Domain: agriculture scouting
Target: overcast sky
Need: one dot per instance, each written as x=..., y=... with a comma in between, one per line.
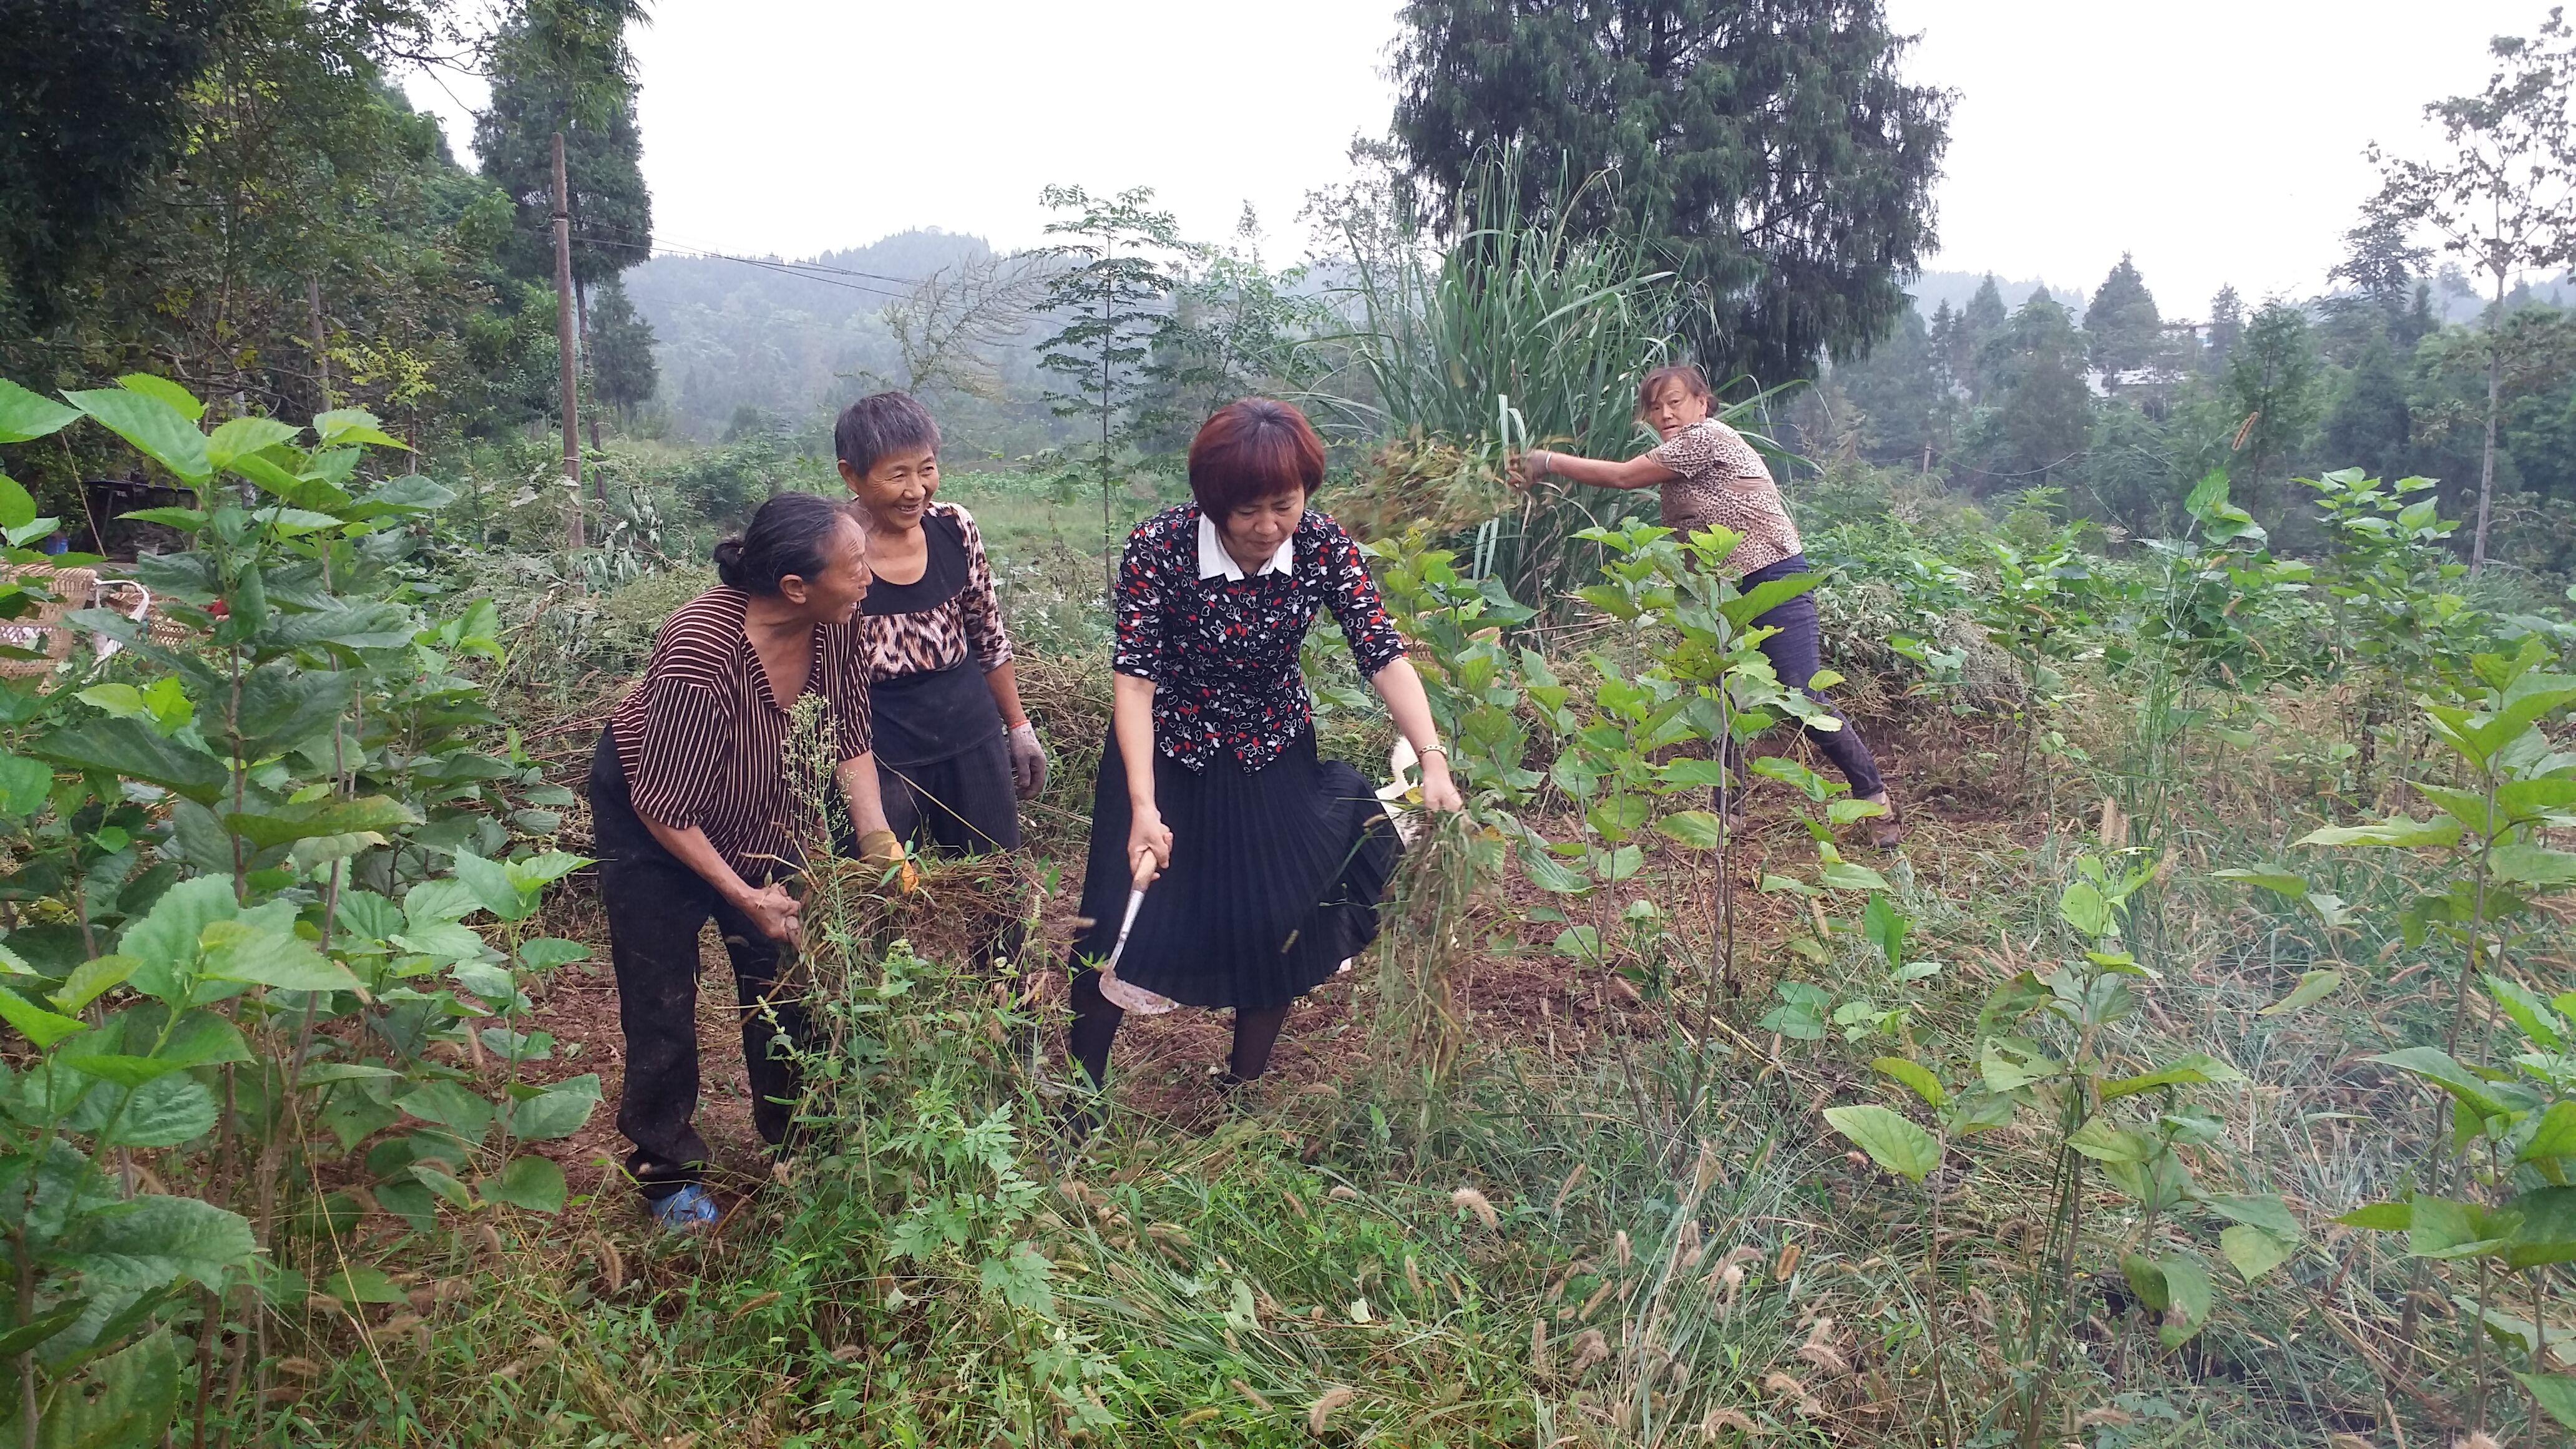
x=2218, y=140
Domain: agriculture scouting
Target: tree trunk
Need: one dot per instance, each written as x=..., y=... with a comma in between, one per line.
x=2486, y=461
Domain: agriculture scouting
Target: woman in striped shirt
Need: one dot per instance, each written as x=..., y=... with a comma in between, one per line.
x=696, y=818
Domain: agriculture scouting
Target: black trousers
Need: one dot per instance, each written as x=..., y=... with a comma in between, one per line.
x=656, y=906
x=1796, y=654
x=963, y=805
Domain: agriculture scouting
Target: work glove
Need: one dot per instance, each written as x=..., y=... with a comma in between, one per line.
x=1028, y=760
x=881, y=851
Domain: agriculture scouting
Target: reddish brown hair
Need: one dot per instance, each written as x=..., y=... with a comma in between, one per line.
x=1693, y=382
x=1253, y=448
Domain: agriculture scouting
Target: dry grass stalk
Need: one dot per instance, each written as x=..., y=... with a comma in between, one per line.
x=1720, y=1420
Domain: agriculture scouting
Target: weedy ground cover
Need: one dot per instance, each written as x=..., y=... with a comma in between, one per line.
x=2176, y=1085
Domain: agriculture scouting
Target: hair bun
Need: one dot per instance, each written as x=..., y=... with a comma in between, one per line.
x=728, y=558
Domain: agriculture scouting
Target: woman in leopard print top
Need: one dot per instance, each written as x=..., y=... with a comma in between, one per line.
x=1711, y=478
x=955, y=751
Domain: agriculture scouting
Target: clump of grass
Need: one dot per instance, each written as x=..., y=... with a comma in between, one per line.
x=1427, y=481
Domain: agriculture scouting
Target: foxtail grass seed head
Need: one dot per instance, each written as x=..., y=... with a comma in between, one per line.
x=1571, y=1180
x=1538, y=1347
x=2478, y=1439
x=1721, y=1420
x=302, y=1368
x=1589, y=1348
x=1620, y=1252
x=1413, y=1277
x=1251, y=1395
x=1344, y=1192
x=1474, y=1202
x=1705, y=1171
x=1788, y=1263
x=1320, y=1412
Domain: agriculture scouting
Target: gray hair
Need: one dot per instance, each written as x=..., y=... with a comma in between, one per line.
x=885, y=423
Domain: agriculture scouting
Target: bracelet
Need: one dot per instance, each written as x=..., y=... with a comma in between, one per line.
x=1433, y=748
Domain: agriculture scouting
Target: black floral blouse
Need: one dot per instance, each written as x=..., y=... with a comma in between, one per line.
x=1222, y=652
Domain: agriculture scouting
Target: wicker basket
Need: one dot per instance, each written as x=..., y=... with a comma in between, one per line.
x=44, y=629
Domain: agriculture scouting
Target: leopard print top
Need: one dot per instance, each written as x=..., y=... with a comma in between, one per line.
x=1724, y=484
x=948, y=613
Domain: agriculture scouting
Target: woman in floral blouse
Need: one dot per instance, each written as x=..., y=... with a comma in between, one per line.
x=1711, y=478
x=1266, y=861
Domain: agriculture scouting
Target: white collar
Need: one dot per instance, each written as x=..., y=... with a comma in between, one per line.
x=1216, y=563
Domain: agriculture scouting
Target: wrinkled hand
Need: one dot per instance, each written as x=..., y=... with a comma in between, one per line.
x=1439, y=792
x=1149, y=846
x=1028, y=760
x=1529, y=468
x=774, y=913
x=881, y=851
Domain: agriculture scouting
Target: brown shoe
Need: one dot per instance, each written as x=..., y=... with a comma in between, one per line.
x=1888, y=831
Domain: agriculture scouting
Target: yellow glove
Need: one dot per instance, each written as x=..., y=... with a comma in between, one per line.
x=881, y=849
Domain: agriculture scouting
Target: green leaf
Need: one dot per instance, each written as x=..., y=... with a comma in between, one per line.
x=1697, y=829
x=2252, y=1251
x=2207, y=496
x=1842, y=875
x=1918, y=1078
x=493, y=889
x=90, y=980
x=163, y=1112
x=236, y=951
x=135, y=750
x=2106, y=1141
x=450, y=1105
x=2555, y=1136
x=442, y=941
x=2556, y=1395
x=17, y=505
x=125, y=1400
x=181, y=401
x=363, y=1283
x=2183, y=1071
x=2436, y=1066
x=2397, y=830
x=166, y=941
x=2314, y=986
x=321, y=817
x=530, y=1182
x=2381, y=1217
x=2260, y=1210
x=2187, y=1282
x=558, y=1111
x=155, y=428
x=2278, y=879
x=545, y=953
x=2084, y=907
x=2443, y=1228
x=150, y=1240
x=2545, y=1231
x=247, y=435
x=36, y=1024
x=1892, y=1141
x=2532, y=865
x=26, y=416
x=1885, y=926
x=1583, y=943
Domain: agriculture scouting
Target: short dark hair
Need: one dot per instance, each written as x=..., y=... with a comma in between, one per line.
x=883, y=423
x=1252, y=448
x=1694, y=384
x=791, y=534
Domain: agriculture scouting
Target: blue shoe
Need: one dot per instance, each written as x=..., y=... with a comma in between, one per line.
x=691, y=1209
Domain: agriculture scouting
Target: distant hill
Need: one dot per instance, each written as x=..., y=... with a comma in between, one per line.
x=1932, y=289
x=797, y=345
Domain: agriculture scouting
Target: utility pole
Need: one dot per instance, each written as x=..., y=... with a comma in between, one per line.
x=565, y=346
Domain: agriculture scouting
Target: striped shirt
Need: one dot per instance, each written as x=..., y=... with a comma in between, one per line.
x=702, y=741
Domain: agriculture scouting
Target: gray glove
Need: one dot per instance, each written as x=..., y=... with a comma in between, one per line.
x=1028, y=760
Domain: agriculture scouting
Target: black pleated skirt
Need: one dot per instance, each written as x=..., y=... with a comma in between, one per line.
x=1275, y=878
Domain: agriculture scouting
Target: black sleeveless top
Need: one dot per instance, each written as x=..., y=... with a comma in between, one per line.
x=927, y=697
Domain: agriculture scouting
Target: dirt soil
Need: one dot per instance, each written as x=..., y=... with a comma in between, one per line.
x=1960, y=799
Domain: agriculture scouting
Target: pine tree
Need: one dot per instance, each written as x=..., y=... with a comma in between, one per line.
x=2272, y=385
x=2226, y=328
x=621, y=351
x=2370, y=425
x=2047, y=410
x=2126, y=333
x=1899, y=393
x=1978, y=323
x=562, y=65
x=1772, y=154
